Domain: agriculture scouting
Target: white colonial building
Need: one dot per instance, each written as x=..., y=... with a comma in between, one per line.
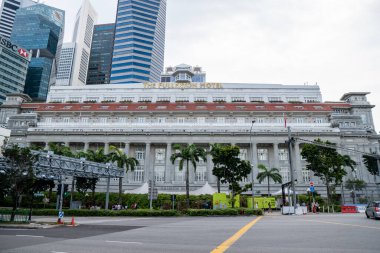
x=146, y=120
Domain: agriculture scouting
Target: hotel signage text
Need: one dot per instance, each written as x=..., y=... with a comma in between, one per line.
x=183, y=86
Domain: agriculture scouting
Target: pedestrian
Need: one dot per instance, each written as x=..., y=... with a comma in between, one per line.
x=269, y=208
x=317, y=207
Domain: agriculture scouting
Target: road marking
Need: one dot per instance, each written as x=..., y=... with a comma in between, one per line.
x=228, y=243
x=34, y=236
x=58, y=252
x=344, y=224
x=140, y=243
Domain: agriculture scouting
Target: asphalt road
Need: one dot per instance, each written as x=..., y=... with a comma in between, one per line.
x=307, y=234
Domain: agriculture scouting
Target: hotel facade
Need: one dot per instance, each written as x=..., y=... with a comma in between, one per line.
x=146, y=120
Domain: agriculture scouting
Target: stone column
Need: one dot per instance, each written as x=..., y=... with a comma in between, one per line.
x=254, y=160
x=148, y=171
x=276, y=159
x=106, y=148
x=210, y=177
x=86, y=146
x=169, y=168
x=126, y=149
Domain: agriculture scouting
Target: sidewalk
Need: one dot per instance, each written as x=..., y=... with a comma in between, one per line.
x=29, y=226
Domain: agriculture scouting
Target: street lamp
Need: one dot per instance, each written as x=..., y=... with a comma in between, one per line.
x=252, y=176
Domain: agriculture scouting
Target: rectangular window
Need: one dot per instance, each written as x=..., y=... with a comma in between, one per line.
x=283, y=154
x=305, y=175
x=141, y=120
x=179, y=174
x=241, y=120
x=220, y=120
x=260, y=120
x=159, y=173
x=161, y=120
x=256, y=99
x=319, y=120
x=160, y=155
x=275, y=99
x=138, y=174
x=285, y=173
x=262, y=154
x=201, y=120
x=299, y=120
x=243, y=154
x=200, y=174
x=181, y=120
x=140, y=154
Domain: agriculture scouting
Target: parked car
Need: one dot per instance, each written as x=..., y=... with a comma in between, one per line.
x=373, y=210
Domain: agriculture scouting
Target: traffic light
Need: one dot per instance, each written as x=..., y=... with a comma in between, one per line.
x=65, y=190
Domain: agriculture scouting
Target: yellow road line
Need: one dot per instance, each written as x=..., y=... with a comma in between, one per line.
x=228, y=243
x=343, y=224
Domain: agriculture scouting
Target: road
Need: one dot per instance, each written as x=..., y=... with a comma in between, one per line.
x=275, y=233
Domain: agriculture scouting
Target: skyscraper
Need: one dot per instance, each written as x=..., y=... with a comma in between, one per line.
x=82, y=38
x=138, y=54
x=40, y=28
x=99, y=68
x=14, y=63
x=8, y=10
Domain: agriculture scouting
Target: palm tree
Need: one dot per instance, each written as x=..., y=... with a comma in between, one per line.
x=123, y=162
x=189, y=154
x=268, y=174
x=97, y=156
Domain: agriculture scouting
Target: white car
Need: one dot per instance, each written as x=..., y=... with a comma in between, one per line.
x=373, y=210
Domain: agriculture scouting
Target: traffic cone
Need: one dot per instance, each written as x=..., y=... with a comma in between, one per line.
x=72, y=221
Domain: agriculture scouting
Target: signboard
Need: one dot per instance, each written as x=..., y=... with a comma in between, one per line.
x=183, y=86
x=223, y=201
x=61, y=215
x=14, y=48
x=262, y=202
x=312, y=189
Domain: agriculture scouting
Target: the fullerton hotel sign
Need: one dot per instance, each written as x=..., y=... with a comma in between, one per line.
x=183, y=86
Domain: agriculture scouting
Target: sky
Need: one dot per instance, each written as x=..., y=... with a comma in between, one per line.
x=333, y=43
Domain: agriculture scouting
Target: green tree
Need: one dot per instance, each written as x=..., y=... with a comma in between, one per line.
x=372, y=165
x=188, y=154
x=60, y=149
x=355, y=185
x=326, y=163
x=84, y=184
x=268, y=174
x=232, y=170
x=124, y=162
x=18, y=174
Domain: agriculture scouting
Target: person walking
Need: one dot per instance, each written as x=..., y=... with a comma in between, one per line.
x=269, y=208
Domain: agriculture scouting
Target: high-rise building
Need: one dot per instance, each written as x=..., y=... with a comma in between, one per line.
x=99, y=68
x=8, y=10
x=183, y=74
x=14, y=62
x=138, y=54
x=65, y=64
x=40, y=28
x=82, y=40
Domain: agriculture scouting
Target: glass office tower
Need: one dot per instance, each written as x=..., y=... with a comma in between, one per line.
x=99, y=68
x=40, y=28
x=138, y=54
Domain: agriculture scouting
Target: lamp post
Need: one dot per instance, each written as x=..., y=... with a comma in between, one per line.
x=252, y=176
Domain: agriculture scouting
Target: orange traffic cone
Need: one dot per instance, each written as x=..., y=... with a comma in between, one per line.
x=72, y=221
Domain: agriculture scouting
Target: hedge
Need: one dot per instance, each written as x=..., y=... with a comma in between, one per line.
x=140, y=212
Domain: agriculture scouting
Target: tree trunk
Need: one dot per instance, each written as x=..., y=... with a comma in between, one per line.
x=328, y=193
x=31, y=207
x=120, y=189
x=268, y=188
x=187, y=186
x=218, y=185
x=14, y=209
